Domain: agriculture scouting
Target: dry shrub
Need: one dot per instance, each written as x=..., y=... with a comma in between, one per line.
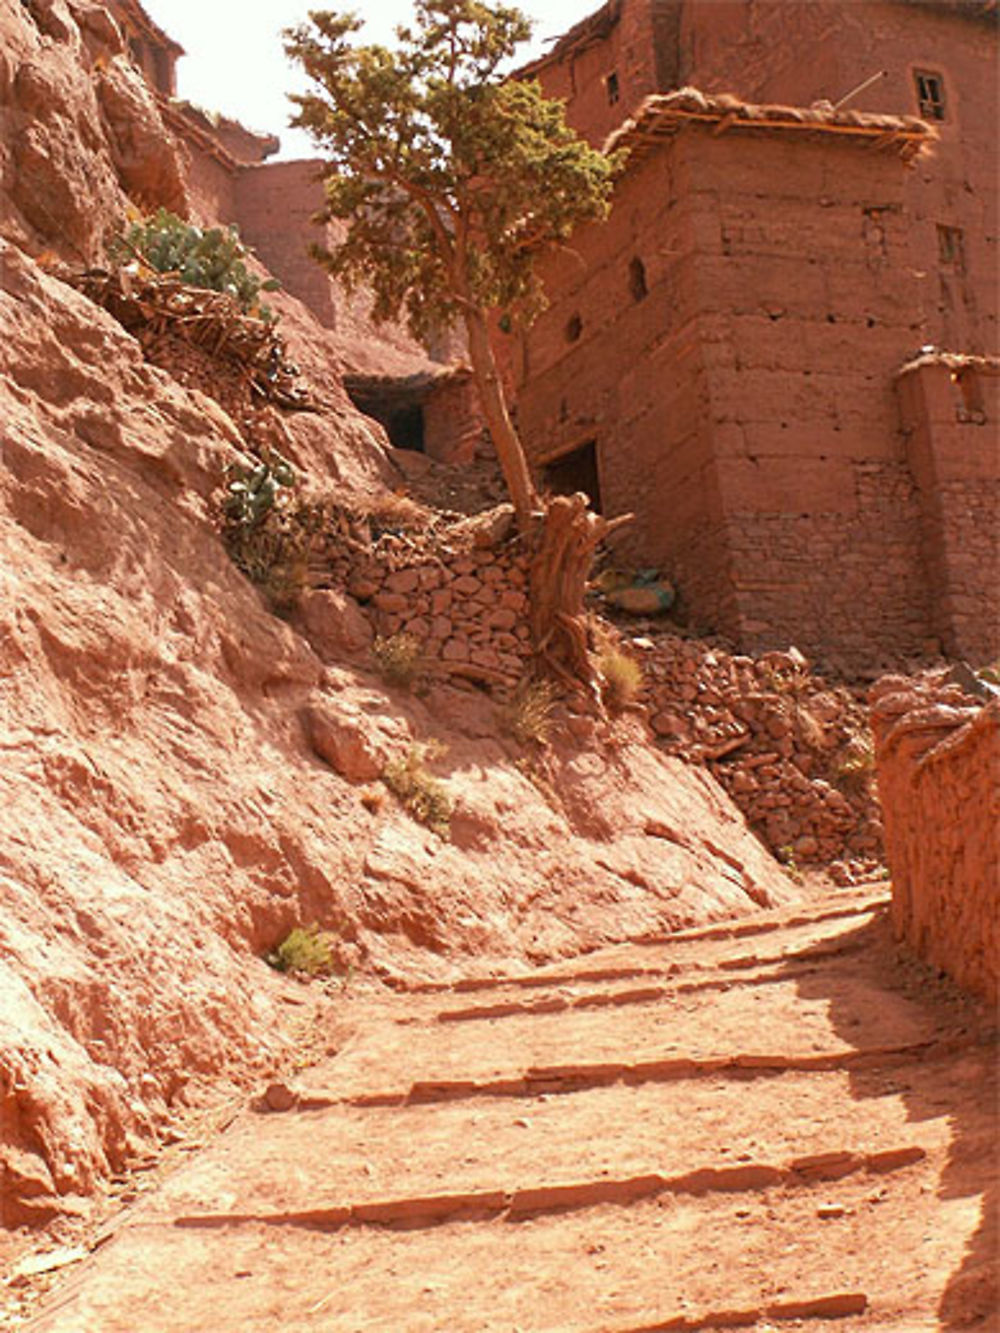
x=621, y=679
x=396, y=512
x=528, y=714
x=307, y=950
x=398, y=659
x=424, y=796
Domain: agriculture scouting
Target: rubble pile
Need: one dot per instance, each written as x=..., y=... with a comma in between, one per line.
x=792, y=749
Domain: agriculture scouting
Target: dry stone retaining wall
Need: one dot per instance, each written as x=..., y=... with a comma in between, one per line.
x=938, y=755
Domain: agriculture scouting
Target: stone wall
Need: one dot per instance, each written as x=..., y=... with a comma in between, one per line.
x=458, y=590
x=938, y=755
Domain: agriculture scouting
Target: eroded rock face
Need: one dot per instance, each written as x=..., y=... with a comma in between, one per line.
x=938, y=755
x=164, y=816
x=81, y=132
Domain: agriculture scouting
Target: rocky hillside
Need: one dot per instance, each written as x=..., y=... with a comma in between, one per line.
x=166, y=812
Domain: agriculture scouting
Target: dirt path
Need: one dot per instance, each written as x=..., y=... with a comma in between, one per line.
x=776, y=1125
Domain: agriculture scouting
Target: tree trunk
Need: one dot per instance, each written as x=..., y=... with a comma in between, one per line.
x=509, y=449
x=562, y=533
x=559, y=571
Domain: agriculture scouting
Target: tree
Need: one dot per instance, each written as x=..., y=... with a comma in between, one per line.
x=451, y=181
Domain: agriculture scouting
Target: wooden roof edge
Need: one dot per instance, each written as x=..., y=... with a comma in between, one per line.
x=593, y=28
x=188, y=129
x=954, y=361
x=690, y=105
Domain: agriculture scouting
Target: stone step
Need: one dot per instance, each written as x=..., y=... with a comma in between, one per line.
x=673, y=1260
x=346, y=1154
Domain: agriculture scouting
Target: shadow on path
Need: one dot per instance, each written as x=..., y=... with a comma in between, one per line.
x=875, y=991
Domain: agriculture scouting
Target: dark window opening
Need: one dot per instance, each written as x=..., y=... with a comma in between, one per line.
x=614, y=92
x=135, y=48
x=930, y=94
x=951, y=248
x=971, y=403
x=637, y=279
x=574, y=327
x=575, y=471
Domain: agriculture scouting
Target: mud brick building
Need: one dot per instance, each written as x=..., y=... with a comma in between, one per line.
x=779, y=352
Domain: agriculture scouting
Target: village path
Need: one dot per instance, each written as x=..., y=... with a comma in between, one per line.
x=778, y=1124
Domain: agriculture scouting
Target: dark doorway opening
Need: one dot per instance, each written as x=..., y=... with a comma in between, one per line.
x=575, y=471
x=401, y=413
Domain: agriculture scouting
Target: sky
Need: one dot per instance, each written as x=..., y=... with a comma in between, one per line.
x=235, y=62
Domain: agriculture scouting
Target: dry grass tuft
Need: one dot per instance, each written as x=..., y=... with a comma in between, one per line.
x=306, y=950
x=398, y=659
x=528, y=714
x=621, y=679
x=424, y=796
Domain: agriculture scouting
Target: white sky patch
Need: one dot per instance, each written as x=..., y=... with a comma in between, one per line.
x=235, y=61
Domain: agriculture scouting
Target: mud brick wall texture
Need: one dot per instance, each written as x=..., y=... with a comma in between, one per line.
x=741, y=398
x=938, y=758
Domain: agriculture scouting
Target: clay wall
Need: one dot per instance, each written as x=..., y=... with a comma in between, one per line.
x=275, y=203
x=634, y=379
x=211, y=187
x=798, y=52
x=601, y=79
x=801, y=51
x=950, y=414
x=938, y=756
x=453, y=423
x=808, y=308
x=743, y=407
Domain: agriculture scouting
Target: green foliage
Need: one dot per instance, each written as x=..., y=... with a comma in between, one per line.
x=306, y=949
x=265, y=536
x=213, y=258
x=528, y=714
x=398, y=658
x=422, y=795
x=621, y=679
x=255, y=489
x=451, y=180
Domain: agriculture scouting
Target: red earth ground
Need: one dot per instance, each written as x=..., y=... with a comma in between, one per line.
x=783, y=1123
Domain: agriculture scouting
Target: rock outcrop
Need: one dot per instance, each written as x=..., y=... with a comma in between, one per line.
x=938, y=754
x=165, y=817
x=81, y=131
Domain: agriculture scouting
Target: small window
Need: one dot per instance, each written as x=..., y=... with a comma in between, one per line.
x=951, y=248
x=970, y=405
x=574, y=327
x=614, y=92
x=637, y=279
x=930, y=94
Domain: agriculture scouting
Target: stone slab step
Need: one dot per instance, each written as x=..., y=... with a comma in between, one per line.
x=672, y=1261
x=349, y=1154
